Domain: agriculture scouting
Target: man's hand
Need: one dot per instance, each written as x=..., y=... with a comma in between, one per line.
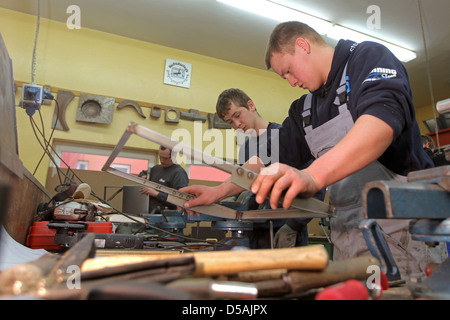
x=278, y=177
x=150, y=191
x=209, y=195
x=204, y=196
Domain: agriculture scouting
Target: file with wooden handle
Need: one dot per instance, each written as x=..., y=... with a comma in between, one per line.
x=295, y=282
x=210, y=263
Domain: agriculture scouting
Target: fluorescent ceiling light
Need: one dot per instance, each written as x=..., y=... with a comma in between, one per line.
x=339, y=32
x=279, y=13
x=282, y=13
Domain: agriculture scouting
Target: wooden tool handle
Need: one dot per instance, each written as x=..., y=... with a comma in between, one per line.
x=258, y=275
x=339, y=271
x=232, y=262
x=295, y=282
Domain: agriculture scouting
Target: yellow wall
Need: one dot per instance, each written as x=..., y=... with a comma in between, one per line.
x=89, y=61
x=422, y=114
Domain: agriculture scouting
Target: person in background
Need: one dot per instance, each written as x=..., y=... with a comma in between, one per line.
x=166, y=173
x=437, y=157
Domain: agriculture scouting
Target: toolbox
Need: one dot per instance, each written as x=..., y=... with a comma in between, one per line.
x=40, y=236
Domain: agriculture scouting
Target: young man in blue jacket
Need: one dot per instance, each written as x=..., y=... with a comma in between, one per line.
x=358, y=122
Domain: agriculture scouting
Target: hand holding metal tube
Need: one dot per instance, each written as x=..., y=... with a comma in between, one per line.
x=205, y=195
x=209, y=195
x=149, y=191
x=277, y=178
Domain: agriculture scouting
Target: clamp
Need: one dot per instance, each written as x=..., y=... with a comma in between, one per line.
x=378, y=247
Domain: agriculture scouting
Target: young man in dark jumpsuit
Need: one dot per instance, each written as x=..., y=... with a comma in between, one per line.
x=358, y=123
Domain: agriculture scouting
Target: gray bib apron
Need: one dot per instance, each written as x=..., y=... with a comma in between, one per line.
x=345, y=195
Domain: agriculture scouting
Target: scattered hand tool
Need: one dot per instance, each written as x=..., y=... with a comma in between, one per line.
x=133, y=290
x=207, y=288
x=37, y=277
x=349, y=290
x=49, y=276
x=142, y=280
x=296, y=282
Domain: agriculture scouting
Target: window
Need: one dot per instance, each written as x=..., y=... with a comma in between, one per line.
x=82, y=165
x=123, y=167
x=207, y=173
x=87, y=157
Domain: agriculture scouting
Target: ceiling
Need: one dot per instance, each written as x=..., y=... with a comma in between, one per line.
x=214, y=29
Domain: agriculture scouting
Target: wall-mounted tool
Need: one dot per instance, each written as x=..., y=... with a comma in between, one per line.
x=95, y=109
x=131, y=103
x=156, y=111
x=170, y=111
x=215, y=122
x=192, y=115
x=63, y=99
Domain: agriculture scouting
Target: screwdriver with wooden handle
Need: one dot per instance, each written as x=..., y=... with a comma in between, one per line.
x=295, y=282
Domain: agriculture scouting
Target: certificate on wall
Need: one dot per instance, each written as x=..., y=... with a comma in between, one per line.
x=177, y=73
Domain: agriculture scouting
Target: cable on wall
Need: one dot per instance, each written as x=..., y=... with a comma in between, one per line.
x=33, y=63
x=429, y=73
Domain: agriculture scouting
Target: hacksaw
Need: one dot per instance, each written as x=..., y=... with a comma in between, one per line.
x=300, y=208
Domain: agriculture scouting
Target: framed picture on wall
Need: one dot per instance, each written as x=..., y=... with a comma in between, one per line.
x=177, y=73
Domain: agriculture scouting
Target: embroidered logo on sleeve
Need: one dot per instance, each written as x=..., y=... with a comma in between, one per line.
x=381, y=73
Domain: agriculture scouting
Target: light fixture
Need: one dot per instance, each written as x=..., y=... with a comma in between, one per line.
x=339, y=32
x=282, y=13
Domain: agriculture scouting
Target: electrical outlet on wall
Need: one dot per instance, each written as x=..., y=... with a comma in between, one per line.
x=32, y=96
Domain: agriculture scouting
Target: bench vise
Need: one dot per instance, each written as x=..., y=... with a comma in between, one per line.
x=425, y=200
